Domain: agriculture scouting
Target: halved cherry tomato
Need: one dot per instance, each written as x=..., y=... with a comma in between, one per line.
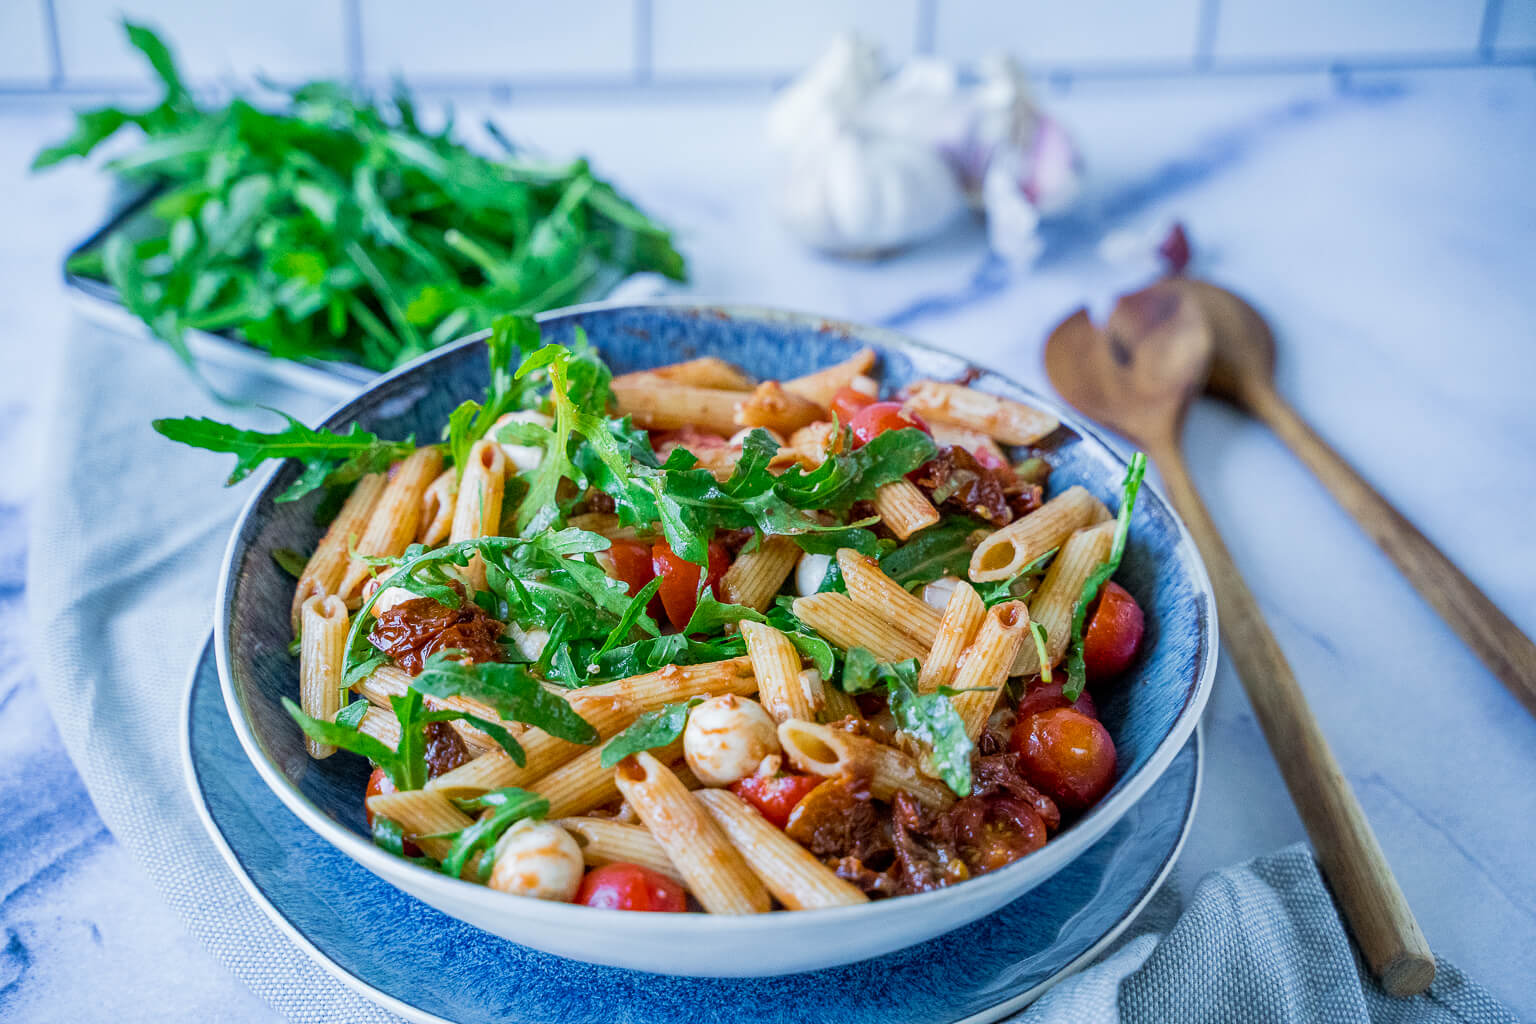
x=630, y=887
x=879, y=417
x=1066, y=755
x=632, y=563
x=379, y=784
x=1113, y=634
x=1044, y=696
x=775, y=795
x=680, y=579
x=847, y=403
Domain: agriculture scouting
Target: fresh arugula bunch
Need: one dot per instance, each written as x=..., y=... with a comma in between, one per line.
x=340, y=229
x=651, y=730
x=929, y=717
x=1077, y=675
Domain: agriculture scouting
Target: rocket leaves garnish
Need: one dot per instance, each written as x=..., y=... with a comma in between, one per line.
x=1077, y=676
x=651, y=730
x=928, y=717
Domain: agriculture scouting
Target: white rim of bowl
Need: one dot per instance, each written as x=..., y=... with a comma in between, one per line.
x=1041, y=864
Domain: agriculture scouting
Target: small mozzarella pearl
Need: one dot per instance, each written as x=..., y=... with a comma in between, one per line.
x=538, y=859
x=936, y=594
x=810, y=571
x=390, y=598
x=524, y=457
x=530, y=642
x=727, y=738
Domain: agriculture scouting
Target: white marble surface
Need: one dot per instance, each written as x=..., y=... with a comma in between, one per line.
x=1386, y=224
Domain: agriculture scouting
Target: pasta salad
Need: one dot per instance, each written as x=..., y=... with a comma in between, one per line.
x=680, y=639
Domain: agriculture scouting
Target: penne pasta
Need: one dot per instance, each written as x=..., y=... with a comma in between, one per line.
x=772, y=407
x=1004, y=554
x=325, y=569
x=322, y=648
x=582, y=784
x=658, y=405
x=1002, y=418
x=704, y=372
x=987, y=664
x=756, y=576
x=713, y=869
x=477, y=511
x=605, y=841
x=962, y=618
x=973, y=441
x=904, y=509
x=788, y=870
x=776, y=664
x=886, y=599
x=393, y=522
x=823, y=750
x=820, y=386
x=382, y=726
x=421, y=813
x=387, y=681
x=837, y=705
x=1052, y=605
x=837, y=618
x=437, y=508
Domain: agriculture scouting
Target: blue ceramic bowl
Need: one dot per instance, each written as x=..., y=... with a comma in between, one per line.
x=1150, y=712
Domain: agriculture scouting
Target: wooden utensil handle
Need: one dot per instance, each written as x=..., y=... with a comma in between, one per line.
x=1346, y=848
x=1507, y=652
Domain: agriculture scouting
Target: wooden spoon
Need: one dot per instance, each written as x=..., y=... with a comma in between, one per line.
x=1243, y=373
x=1138, y=376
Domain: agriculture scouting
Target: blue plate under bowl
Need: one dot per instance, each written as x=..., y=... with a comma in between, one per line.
x=427, y=966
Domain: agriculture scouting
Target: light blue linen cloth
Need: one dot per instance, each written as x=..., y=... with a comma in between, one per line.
x=126, y=546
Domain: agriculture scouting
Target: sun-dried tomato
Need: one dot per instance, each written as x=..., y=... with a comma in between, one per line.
x=414, y=630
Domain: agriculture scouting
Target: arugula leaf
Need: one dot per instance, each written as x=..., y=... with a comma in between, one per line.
x=511, y=689
x=344, y=736
x=999, y=591
x=862, y=672
x=651, y=730
x=508, y=806
x=1077, y=675
x=710, y=614
x=328, y=458
x=631, y=616
x=511, y=336
x=930, y=717
x=941, y=550
x=820, y=653
x=351, y=716
x=290, y=561
x=1042, y=655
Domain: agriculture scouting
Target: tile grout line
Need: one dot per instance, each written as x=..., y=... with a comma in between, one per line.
x=55, y=44
x=927, y=26
x=352, y=36
x=644, y=55
x=1205, y=34
x=1487, y=33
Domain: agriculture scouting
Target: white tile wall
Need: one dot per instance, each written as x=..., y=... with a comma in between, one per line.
x=282, y=39
x=499, y=39
x=752, y=39
x=1308, y=29
x=24, y=57
x=1049, y=33
x=1517, y=27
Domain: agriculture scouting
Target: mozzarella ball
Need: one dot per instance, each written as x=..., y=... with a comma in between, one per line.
x=390, y=598
x=865, y=385
x=530, y=642
x=523, y=456
x=538, y=859
x=936, y=594
x=727, y=738
x=810, y=571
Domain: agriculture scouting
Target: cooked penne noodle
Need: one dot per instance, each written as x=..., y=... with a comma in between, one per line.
x=605, y=841
x=393, y=522
x=1053, y=603
x=421, y=813
x=823, y=750
x=756, y=576
x=837, y=618
x=325, y=569
x=1004, y=554
x=583, y=784
x=959, y=624
x=820, y=386
x=772, y=407
x=1002, y=418
x=872, y=589
x=437, y=508
x=987, y=664
x=837, y=705
x=387, y=681
x=788, y=870
x=382, y=726
x=712, y=868
x=904, y=509
x=704, y=372
x=973, y=441
x=477, y=512
x=322, y=648
x=776, y=664
x=658, y=405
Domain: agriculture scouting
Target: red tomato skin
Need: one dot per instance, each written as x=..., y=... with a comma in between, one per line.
x=633, y=563
x=847, y=403
x=1066, y=755
x=679, y=591
x=379, y=783
x=631, y=887
x=775, y=796
x=879, y=417
x=1045, y=696
x=1113, y=635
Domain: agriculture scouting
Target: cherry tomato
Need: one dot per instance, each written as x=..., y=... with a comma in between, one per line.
x=1044, y=696
x=775, y=795
x=679, y=591
x=1066, y=755
x=632, y=563
x=996, y=831
x=630, y=887
x=879, y=417
x=379, y=783
x=848, y=402
x=1113, y=635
